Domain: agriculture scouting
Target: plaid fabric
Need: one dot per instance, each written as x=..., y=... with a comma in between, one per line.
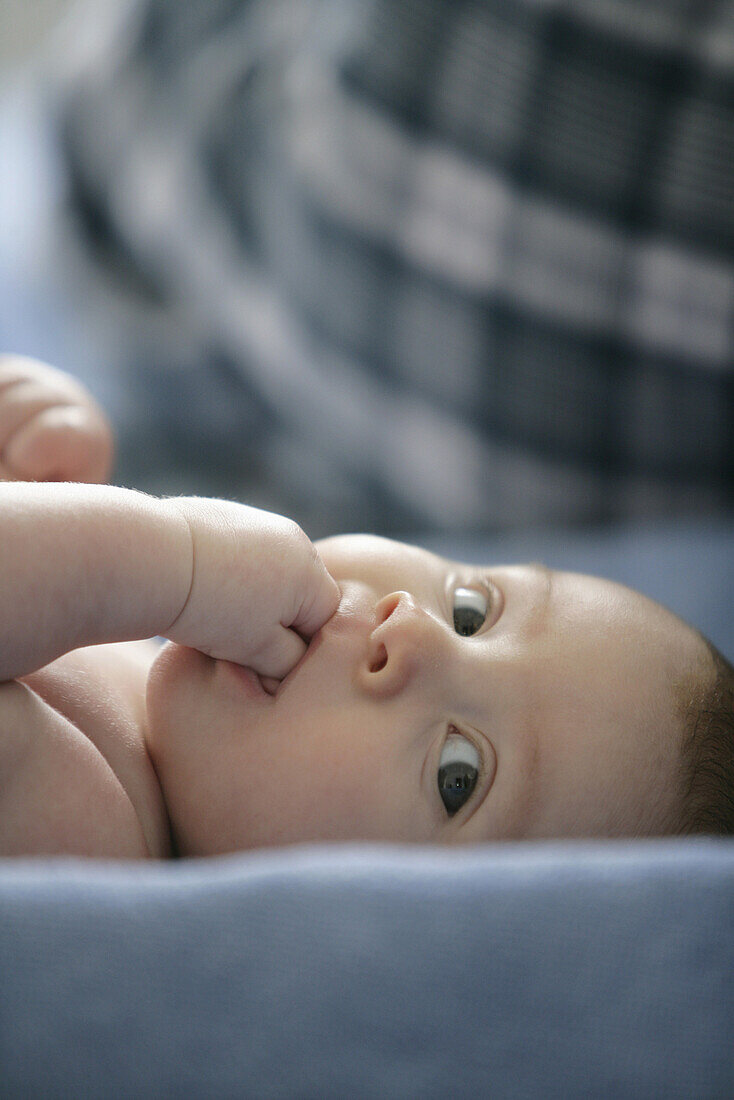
x=464, y=264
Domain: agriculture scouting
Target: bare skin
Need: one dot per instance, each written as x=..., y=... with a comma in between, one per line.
x=548, y=693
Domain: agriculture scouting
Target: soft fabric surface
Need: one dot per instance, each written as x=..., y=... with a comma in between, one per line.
x=512, y=971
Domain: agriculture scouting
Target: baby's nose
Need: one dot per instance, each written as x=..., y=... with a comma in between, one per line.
x=407, y=646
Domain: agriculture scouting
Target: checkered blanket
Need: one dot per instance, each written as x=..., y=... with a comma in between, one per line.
x=465, y=264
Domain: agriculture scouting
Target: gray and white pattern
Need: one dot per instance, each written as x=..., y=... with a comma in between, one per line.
x=452, y=264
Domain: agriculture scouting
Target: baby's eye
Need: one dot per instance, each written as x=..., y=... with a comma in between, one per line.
x=458, y=770
x=470, y=610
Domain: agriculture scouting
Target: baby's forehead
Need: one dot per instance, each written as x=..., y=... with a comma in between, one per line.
x=663, y=640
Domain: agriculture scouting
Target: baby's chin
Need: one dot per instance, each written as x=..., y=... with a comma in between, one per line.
x=165, y=671
x=171, y=693
x=176, y=666
x=168, y=693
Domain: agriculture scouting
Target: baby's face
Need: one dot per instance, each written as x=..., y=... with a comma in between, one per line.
x=542, y=701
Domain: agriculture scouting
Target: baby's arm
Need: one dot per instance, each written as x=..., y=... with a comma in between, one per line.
x=86, y=564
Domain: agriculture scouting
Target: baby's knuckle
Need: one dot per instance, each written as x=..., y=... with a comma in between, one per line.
x=307, y=550
x=291, y=528
x=291, y=535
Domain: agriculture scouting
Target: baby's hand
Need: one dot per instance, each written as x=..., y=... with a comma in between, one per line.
x=259, y=587
x=51, y=429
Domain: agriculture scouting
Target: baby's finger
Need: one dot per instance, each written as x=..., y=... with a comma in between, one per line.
x=17, y=369
x=270, y=684
x=320, y=601
x=21, y=402
x=277, y=658
x=62, y=443
x=6, y=474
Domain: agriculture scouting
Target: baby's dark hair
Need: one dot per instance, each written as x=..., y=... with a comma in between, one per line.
x=707, y=751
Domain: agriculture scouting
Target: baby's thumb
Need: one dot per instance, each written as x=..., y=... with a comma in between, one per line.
x=320, y=600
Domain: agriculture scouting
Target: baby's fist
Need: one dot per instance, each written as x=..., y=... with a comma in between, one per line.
x=258, y=590
x=51, y=429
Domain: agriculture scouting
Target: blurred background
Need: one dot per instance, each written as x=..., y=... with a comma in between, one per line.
x=414, y=267
x=25, y=26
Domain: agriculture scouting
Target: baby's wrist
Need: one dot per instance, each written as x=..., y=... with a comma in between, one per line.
x=176, y=513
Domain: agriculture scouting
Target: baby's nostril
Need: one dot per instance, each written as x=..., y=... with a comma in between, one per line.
x=380, y=660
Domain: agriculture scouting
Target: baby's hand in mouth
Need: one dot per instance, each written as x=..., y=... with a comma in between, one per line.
x=258, y=589
x=271, y=685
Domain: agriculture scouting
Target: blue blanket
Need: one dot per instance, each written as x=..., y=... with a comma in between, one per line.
x=569, y=970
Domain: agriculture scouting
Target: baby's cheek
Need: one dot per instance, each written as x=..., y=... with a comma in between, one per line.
x=297, y=785
x=163, y=685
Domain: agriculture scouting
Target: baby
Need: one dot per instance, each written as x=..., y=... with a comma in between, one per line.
x=359, y=689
